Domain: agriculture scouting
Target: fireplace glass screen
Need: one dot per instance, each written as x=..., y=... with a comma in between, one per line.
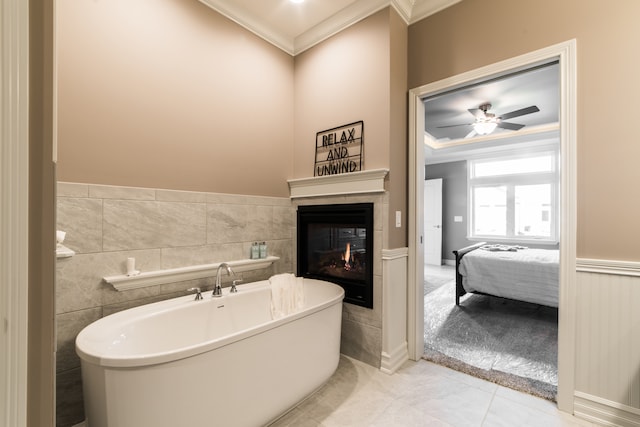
x=335, y=244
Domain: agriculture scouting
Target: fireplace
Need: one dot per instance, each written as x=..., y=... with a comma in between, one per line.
x=335, y=243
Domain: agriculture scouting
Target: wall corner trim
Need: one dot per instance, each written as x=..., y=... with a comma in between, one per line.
x=395, y=350
x=391, y=362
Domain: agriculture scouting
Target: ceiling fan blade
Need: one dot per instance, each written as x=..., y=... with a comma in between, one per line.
x=477, y=113
x=510, y=126
x=471, y=134
x=453, y=126
x=521, y=112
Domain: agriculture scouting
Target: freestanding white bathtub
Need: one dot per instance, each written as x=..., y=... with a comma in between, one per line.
x=214, y=362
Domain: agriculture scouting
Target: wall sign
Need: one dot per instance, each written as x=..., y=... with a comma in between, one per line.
x=339, y=150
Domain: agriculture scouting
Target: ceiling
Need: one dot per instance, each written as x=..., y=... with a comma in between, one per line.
x=448, y=122
x=537, y=87
x=295, y=27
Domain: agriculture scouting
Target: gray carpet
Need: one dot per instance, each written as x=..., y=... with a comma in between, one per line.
x=508, y=342
x=433, y=282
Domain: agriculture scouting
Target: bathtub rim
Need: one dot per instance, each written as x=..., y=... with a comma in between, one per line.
x=147, y=310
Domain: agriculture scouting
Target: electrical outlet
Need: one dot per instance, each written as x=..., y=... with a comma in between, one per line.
x=457, y=218
x=398, y=219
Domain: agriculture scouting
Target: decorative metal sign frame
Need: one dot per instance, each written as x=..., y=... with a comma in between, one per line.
x=339, y=150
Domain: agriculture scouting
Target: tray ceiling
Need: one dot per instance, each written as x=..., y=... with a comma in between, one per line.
x=295, y=27
x=449, y=123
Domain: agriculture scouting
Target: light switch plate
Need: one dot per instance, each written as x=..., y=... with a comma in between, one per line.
x=398, y=219
x=457, y=218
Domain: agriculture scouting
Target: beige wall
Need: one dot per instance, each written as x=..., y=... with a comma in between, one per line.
x=349, y=78
x=41, y=317
x=179, y=97
x=170, y=94
x=340, y=81
x=397, y=151
x=475, y=33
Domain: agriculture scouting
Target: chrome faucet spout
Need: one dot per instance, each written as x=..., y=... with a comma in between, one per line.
x=217, y=289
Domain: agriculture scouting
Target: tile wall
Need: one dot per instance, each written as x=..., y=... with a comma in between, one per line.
x=161, y=229
x=362, y=327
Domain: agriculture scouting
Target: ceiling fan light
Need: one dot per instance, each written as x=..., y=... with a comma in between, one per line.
x=484, y=128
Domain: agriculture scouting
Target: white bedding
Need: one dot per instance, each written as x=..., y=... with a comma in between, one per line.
x=530, y=275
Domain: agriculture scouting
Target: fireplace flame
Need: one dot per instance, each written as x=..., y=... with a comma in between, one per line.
x=347, y=257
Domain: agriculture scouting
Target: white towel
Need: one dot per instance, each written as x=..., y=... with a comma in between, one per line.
x=287, y=294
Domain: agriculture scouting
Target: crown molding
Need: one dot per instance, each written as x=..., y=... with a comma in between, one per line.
x=411, y=11
x=345, y=18
x=423, y=9
x=254, y=25
x=404, y=8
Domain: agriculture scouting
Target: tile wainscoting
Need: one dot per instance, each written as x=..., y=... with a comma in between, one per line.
x=161, y=229
x=165, y=229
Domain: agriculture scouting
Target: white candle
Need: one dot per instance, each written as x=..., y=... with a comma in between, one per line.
x=131, y=265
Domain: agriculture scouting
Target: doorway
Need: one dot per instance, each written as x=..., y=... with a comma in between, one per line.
x=565, y=54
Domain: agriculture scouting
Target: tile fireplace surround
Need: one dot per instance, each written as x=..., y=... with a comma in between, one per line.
x=375, y=336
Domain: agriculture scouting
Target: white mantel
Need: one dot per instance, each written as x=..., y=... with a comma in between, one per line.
x=371, y=181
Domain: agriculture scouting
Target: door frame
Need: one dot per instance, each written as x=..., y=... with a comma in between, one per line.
x=565, y=53
x=14, y=194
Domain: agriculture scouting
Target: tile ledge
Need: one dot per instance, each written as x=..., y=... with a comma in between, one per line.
x=159, y=277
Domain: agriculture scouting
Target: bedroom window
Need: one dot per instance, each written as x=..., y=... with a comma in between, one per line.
x=514, y=198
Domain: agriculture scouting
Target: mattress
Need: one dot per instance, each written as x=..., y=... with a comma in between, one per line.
x=530, y=275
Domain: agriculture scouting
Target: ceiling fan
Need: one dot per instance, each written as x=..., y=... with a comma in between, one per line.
x=486, y=122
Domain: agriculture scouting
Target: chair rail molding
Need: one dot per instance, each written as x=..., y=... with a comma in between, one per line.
x=603, y=266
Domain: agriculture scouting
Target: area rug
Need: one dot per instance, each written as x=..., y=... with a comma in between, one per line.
x=508, y=342
x=434, y=282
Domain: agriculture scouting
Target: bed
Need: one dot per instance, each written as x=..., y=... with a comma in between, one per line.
x=513, y=272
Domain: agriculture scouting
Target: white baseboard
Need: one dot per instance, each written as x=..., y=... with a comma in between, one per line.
x=391, y=362
x=451, y=262
x=82, y=424
x=604, y=412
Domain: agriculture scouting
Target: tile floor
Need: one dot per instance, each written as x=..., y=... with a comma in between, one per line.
x=419, y=394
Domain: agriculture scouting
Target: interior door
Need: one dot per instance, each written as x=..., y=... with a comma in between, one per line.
x=433, y=221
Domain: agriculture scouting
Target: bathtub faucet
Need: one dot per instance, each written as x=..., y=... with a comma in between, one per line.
x=217, y=290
